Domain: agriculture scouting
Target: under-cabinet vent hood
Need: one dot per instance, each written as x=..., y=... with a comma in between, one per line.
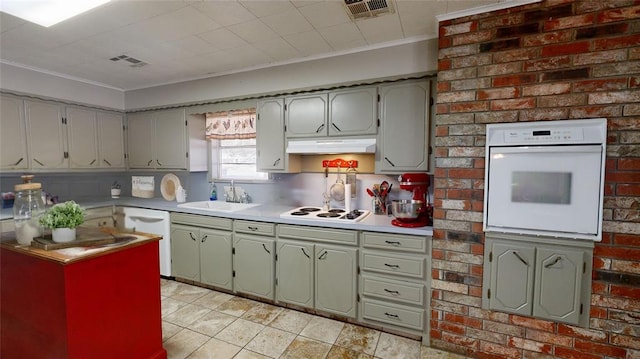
x=326, y=146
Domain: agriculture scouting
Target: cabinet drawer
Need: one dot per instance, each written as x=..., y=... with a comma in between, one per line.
x=266, y=229
x=341, y=236
x=411, y=293
x=392, y=264
x=393, y=314
x=389, y=241
x=201, y=221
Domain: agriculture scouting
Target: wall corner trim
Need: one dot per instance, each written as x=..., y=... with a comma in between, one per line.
x=482, y=9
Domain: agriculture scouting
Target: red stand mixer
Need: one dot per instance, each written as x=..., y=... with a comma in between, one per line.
x=416, y=212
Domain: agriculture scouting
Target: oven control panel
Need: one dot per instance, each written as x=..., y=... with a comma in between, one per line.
x=539, y=135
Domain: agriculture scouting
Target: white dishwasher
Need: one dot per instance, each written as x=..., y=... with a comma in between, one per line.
x=149, y=221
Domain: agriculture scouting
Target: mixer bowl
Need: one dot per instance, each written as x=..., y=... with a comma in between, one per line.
x=406, y=210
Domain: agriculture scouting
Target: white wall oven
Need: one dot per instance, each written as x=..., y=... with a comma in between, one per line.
x=546, y=178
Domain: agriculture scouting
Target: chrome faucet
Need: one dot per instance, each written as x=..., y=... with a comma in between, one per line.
x=233, y=193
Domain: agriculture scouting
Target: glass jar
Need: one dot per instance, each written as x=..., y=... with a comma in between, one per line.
x=28, y=207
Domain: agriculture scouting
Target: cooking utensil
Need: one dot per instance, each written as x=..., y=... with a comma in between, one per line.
x=370, y=192
x=337, y=189
x=406, y=210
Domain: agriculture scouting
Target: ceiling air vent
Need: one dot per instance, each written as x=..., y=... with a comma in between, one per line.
x=360, y=9
x=132, y=62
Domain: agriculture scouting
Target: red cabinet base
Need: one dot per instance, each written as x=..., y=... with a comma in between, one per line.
x=107, y=306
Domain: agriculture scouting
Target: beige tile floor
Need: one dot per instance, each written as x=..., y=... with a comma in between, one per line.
x=202, y=323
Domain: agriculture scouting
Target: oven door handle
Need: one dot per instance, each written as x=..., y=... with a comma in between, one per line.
x=546, y=149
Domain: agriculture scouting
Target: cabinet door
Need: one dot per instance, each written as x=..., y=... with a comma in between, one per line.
x=83, y=138
x=270, y=141
x=404, y=134
x=512, y=269
x=294, y=270
x=558, y=284
x=336, y=279
x=306, y=116
x=140, y=140
x=170, y=139
x=215, y=258
x=253, y=265
x=47, y=135
x=184, y=252
x=13, y=135
x=353, y=112
x=110, y=141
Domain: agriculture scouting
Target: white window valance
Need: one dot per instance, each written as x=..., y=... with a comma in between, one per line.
x=229, y=125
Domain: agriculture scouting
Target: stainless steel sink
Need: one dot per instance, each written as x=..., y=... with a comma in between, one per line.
x=218, y=206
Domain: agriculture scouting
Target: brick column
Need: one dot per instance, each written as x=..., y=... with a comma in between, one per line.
x=552, y=60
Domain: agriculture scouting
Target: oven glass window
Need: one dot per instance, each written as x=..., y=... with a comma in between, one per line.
x=541, y=187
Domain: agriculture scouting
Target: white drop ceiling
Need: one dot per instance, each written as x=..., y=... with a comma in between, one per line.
x=190, y=39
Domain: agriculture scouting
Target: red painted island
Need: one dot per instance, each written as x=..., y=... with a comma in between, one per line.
x=101, y=302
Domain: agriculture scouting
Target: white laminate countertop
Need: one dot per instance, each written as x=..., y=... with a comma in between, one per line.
x=264, y=213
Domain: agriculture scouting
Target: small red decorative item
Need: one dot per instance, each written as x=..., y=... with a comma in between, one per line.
x=339, y=162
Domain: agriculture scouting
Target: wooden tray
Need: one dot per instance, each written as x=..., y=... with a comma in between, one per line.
x=84, y=238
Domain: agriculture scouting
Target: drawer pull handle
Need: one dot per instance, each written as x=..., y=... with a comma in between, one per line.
x=392, y=265
x=253, y=228
x=149, y=163
x=323, y=255
x=395, y=243
x=558, y=258
x=305, y=253
x=391, y=315
x=275, y=163
x=394, y=292
x=17, y=163
x=203, y=239
x=92, y=162
x=107, y=162
x=265, y=248
x=38, y=162
x=336, y=127
x=320, y=128
x=158, y=162
x=192, y=236
x=389, y=161
x=521, y=259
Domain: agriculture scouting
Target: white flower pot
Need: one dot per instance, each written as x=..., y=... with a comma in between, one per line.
x=115, y=192
x=61, y=235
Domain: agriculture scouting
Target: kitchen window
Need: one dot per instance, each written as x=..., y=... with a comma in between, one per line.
x=232, y=139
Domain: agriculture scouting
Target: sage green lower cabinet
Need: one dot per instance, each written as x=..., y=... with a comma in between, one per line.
x=393, y=282
x=254, y=258
x=295, y=273
x=201, y=248
x=318, y=268
x=537, y=276
x=336, y=273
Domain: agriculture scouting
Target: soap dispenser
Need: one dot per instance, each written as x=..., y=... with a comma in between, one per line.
x=213, y=196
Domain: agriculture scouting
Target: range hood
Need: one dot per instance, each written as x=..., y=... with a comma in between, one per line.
x=327, y=146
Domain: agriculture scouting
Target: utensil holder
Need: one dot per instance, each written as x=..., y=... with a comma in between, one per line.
x=377, y=206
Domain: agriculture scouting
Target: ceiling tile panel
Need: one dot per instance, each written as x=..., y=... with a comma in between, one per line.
x=261, y=8
x=343, y=37
x=288, y=22
x=225, y=13
x=278, y=49
x=308, y=43
x=381, y=29
x=222, y=39
x=413, y=19
x=326, y=13
x=253, y=31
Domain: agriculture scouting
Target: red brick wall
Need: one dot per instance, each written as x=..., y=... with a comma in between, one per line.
x=545, y=61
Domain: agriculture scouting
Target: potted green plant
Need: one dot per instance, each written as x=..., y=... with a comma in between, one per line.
x=63, y=218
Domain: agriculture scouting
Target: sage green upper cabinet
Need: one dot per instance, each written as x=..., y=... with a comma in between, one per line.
x=47, y=136
x=83, y=138
x=270, y=140
x=13, y=136
x=306, y=115
x=157, y=140
x=111, y=141
x=348, y=112
x=403, y=139
x=353, y=112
